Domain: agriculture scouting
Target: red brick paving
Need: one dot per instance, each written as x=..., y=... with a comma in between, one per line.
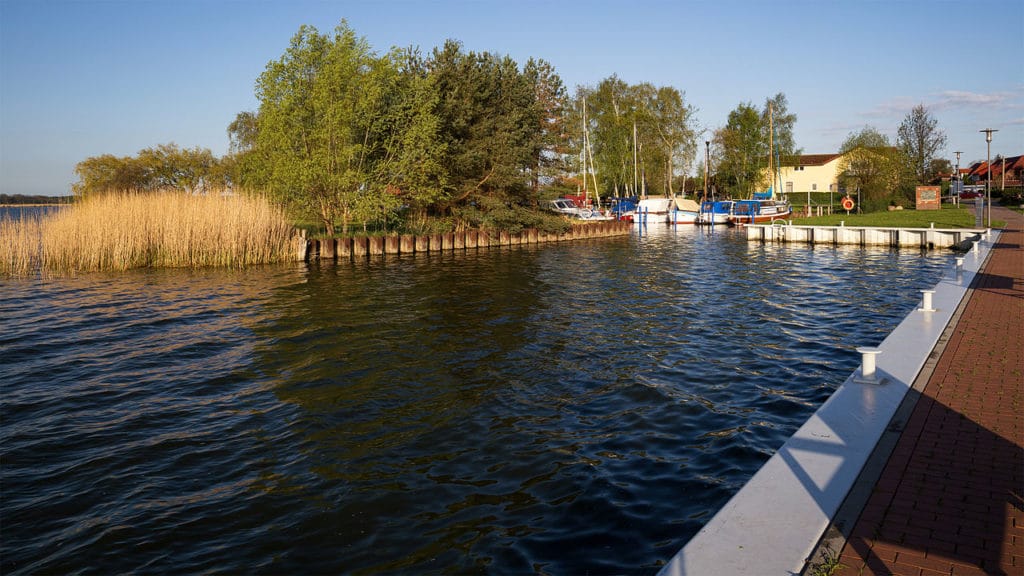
x=950, y=500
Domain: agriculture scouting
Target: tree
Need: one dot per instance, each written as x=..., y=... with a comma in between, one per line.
x=744, y=143
x=109, y=173
x=920, y=140
x=165, y=166
x=652, y=124
x=742, y=151
x=551, y=145
x=340, y=131
x=674, y=130
x=870, y=166
x=491, y=128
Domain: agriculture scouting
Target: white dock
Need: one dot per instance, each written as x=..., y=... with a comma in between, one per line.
x=927, y=238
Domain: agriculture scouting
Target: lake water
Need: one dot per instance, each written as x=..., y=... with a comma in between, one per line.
x=568, y=408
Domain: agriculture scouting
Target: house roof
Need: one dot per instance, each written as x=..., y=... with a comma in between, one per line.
x=811, y=160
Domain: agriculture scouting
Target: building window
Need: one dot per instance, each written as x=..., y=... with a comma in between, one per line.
x=814, y=187
x=831, y=187
x=789, y=187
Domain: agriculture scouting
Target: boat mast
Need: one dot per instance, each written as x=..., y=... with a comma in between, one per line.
x=771, y=152
x=585, y=154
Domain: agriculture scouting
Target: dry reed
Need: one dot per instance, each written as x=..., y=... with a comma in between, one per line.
x=165, y=229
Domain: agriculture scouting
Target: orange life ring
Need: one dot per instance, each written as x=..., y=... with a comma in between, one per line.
x=847, y=203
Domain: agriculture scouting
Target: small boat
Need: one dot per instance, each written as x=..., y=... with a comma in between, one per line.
x=715, y=212
x=653, y=209
x=684, y=211
x=567, y=207
x=759, y=210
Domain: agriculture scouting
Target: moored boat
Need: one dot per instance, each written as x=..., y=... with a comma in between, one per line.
x=684, y=211
x=715, y=212
x=653, y=209
x=759, y=210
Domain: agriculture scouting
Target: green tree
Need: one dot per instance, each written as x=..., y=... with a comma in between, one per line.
x=551, y=145
x=920, y=139
x=342, y=134
x=750, y=136
x=870, y=167
x=742, y=151
x=490, y=127
x=109, y=173
x=168, y=166
x=641, y=135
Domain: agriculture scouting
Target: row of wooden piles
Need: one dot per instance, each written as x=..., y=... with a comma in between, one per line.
x=350, y=248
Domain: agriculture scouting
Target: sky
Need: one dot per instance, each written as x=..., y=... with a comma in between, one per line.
x=90, y=77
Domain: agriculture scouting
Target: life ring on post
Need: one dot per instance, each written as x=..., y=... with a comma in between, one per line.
x=847, y=203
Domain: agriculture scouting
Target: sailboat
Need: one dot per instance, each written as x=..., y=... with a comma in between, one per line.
x=763, y=207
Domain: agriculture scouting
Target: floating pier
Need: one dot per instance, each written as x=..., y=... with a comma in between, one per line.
x=362, y=247
x=927, y=238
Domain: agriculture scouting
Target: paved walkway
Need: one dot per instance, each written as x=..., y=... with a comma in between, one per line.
x=950, y=500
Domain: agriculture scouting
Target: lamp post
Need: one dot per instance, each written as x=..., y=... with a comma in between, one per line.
x=707, y=159
x=988, y=166
x=959, y=183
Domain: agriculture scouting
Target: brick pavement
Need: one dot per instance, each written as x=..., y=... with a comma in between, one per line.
x=950, y=499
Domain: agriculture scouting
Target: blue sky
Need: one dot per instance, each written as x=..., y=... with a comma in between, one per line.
x=84, y=78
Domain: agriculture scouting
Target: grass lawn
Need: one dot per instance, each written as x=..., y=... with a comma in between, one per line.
x=948, y=217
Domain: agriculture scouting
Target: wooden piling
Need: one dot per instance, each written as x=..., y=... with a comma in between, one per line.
x=472, y=238
x=360, y=247
x=391, y=245
x=407, y=244
x=376, y=245
x=460, y=241
x=327, y=248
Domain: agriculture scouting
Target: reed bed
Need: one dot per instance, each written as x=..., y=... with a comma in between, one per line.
x=164, y=229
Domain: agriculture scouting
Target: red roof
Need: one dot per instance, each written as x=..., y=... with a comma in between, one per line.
x=812, y=159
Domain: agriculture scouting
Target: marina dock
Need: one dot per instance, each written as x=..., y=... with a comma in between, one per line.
x=927, y=238
x=915, y=465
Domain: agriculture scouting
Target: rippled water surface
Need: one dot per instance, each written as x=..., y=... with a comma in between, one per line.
x=577, y=407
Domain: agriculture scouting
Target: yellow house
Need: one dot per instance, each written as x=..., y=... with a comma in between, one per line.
x=812, y=173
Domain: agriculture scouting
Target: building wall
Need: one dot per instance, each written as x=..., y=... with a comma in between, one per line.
x=811, y=178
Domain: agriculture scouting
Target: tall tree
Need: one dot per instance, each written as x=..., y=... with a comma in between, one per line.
x=920, y=139
x=336, y=130
x=744, y=144
x=742, y=151
x=490, y=126
x=870, y=166
x=551, y=145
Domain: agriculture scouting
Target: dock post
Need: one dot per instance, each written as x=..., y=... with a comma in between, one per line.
x=926, y=301
x=867, y=370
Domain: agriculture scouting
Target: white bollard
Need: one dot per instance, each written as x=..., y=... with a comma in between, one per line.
x=974, y=248
x=867, y=370
x=926, y=301
x=959, y=264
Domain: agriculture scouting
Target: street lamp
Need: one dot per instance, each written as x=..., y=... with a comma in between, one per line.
x=959, y=183
x=988, y=166
x=707, y=159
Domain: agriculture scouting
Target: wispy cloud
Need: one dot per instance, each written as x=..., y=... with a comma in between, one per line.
x=951, y=100
x=960, y=99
